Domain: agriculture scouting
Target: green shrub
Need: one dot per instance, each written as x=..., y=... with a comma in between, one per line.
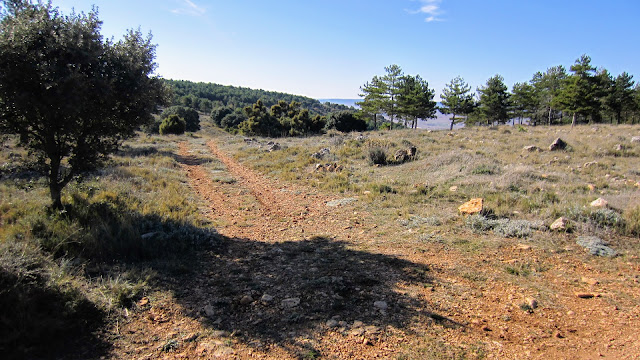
x=377, y=156
x=190, y=116
x=606, y=218
x=172, y=125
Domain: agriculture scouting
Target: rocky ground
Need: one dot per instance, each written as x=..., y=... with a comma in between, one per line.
x=296, y=274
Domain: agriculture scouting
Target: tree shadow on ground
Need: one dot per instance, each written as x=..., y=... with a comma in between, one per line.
x=38, y=321
x=274, y=293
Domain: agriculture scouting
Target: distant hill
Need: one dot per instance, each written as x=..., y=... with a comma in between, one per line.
x=440, y=122
x=207, y=96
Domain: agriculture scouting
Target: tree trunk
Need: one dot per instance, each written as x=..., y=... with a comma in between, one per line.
x=550, y=109
x=453, y=120
x=55, y=188
x=573, y=120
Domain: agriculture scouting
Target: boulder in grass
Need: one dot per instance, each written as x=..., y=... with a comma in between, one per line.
x=560, y=224
x=473, y=206
x=558, y=144
x=599, y=203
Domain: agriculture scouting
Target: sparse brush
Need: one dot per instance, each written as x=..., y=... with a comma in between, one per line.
x=377, y=156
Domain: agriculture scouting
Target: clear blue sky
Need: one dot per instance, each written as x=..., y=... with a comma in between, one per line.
x=329, y=48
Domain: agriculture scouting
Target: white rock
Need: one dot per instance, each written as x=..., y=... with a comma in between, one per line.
x=290, y=303
x=382, y=305
x=599, y=202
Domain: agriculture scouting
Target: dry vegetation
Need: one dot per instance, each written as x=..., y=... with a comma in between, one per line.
x=169, y=228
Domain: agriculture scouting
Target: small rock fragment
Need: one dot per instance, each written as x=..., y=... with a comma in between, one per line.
x=208, y=310
x=531, y=148
x=246, y=300
x=533, y=303
x=266, y=298
x=635, y=139
x=332, y=323
x=583, y=295
x=589, y=281
x=290, y=303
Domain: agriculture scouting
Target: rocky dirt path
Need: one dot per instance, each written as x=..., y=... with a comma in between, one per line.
x=289, y=279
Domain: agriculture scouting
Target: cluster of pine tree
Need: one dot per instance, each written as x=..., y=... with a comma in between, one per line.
x=587, y=94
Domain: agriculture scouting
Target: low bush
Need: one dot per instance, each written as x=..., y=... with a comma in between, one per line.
x=377, y=156
x=172, y=125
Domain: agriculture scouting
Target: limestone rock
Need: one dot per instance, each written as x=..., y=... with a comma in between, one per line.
x=561, y=223
x=266, y=298
x=558, y=144
x=290, y=303
x=599, y=203
x=246, y=300
x=382, y=305
x=635, y=139
x=531, y=148
x=472, y=206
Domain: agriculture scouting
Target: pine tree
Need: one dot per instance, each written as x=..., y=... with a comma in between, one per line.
x=456, y=99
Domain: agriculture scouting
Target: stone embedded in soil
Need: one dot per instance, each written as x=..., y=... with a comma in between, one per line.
x=558, y=144
x=266, y=298
x=599, y=203
x=533, y=303
x=382, y=305
x=208, y=310
x=531, y=148
x=560, y=223
x=472, y=206
x=583, y=295
x=290, y=303
x=332, y=323
x=589, y=281
x=246, y=300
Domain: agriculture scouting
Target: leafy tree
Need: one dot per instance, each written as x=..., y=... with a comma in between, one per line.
x=415, y=100
x=173, y=124
x=494, y=100
x=233, y=120
x=620, y=97
x=71, y=96
x=219, y=113
x=523, y=101
x=582, y=91
x=547, y=85
x=373, y=102
x=190, y=116
x=345, y=121
x=456, y=99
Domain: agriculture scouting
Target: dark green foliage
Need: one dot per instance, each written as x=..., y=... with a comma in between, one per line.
x=191, y=94
x=219, y=113
x=345, y=121
x=415, y=100
x=190, y=116
x=457, y=99
x=377, y=156
x=494, y=101
x=233, y=120
x=69, y=94
x=282, y=119
x=581, y=93
x=172, y=125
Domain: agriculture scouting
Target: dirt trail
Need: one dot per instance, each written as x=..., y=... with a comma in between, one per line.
x=288, y=281
x=259, y=208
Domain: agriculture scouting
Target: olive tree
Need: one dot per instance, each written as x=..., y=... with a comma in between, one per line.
x=71, y=96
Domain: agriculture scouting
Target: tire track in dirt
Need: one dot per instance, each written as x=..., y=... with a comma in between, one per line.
x=278, y=211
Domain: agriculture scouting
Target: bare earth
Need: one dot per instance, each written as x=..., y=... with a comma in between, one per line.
x=292, y=277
